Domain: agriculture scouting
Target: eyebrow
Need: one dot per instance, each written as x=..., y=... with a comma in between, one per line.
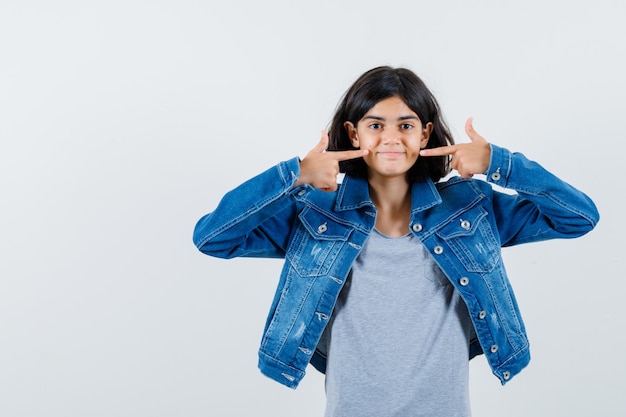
x=382, y=119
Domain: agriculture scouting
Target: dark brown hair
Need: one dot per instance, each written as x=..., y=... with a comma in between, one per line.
x=378, y=84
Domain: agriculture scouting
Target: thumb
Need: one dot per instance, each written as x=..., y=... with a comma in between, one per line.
x=322, y=144
x=473, y=134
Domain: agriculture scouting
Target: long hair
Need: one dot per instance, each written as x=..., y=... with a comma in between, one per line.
x=378, y=84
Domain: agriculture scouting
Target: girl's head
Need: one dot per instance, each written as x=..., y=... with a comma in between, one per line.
x=378, y=84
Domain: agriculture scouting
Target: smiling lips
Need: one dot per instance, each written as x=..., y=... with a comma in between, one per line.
x=390, y=154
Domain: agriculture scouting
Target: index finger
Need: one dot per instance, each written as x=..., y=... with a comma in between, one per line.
x=440, y=151
x=347, y=155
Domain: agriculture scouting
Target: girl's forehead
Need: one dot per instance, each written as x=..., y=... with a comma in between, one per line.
x=392, y=106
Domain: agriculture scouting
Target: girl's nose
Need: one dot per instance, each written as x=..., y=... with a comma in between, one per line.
x=391, y=138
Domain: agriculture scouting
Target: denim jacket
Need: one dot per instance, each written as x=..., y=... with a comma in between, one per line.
x=463, y=223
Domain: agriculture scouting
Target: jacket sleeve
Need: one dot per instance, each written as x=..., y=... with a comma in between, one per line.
x=543, y=207
x=254, y=219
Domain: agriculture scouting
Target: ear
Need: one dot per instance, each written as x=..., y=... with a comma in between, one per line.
x=426, y=131
x=351, y=129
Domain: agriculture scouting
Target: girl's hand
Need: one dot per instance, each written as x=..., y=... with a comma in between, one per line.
x=467, y=158
x=320, y=168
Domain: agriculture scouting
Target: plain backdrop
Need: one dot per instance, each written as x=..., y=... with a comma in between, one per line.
x=123, y=122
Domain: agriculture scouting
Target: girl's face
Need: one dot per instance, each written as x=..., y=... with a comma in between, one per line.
x=393, y=134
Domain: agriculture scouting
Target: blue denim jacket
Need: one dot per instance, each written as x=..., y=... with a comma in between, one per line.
x=463, y=223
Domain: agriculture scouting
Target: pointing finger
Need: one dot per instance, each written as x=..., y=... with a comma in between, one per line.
x=440, y=151
x=347, y=155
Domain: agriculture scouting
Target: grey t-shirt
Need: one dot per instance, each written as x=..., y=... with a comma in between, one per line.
x=398, y=338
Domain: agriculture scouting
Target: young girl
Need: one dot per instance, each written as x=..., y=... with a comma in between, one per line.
x=393, y=278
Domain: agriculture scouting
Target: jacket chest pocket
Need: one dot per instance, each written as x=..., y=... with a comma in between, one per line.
x=316, y=243
x=472, y=240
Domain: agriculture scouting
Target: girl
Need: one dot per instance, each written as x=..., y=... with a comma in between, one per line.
x=393, y=278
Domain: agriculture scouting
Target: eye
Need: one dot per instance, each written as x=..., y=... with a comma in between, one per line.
x=406, y=126
x=375, y=126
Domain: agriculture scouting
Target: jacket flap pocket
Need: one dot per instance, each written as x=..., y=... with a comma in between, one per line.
x=321, y=227
x=472, y=240
x=464, y=224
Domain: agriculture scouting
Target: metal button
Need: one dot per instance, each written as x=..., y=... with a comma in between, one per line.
x=496, y=175
x=438, y=250
x=322, y=228
x=465, y=224
x=494, y=348
x=301, y=192
x=506, y=375
x=464, y=281
x=417, y=227
x=482, y=314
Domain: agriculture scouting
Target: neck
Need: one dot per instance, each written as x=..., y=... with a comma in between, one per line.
x=392, y=199
x=391, y=193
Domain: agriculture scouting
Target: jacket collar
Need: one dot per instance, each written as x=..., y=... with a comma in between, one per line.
x=424, y=195
x=354, y=193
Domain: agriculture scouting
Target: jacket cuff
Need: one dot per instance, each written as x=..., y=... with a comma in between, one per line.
x=499, y=166
x=290, y=171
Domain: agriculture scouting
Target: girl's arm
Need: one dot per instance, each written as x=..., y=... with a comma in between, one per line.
x=253, y=219
x=544, y=206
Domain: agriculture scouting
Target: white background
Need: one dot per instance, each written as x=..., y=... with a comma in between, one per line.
x=122, y=122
